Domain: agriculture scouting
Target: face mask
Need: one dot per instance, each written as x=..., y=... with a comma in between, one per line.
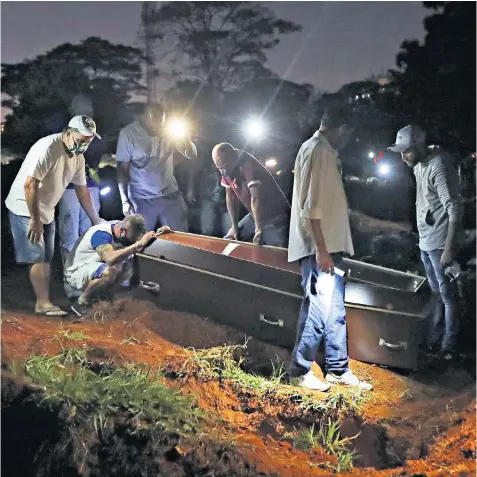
x=223, y=173
x=78, y=147
x=122, y=239
x=229, y=173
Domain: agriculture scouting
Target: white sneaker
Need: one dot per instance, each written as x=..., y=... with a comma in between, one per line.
x=310, y=381
x=348, y=379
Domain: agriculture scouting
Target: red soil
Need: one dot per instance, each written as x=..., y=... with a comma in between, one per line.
x=418, y=410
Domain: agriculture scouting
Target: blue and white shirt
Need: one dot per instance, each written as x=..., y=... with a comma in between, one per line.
x=84, y=252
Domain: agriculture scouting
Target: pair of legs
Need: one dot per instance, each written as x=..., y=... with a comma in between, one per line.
x=170, y=210
x=444, y=324
x=322, y=315
x=38, y=256
x=73, y=222
x=72, y=219
x=214, y=219
x=97, y=279
x=274, y=233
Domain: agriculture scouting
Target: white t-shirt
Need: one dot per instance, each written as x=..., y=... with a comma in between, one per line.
x=318, y=193
x=48, y=162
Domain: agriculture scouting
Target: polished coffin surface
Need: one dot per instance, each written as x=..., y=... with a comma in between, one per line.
x=256, y=290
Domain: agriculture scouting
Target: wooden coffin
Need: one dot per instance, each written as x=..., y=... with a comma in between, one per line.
x=255, y=289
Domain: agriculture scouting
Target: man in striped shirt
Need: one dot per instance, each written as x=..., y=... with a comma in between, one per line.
x=438, y=220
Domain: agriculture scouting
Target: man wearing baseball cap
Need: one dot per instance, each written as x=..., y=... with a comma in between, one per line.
x=51, y=164
x=438, y=218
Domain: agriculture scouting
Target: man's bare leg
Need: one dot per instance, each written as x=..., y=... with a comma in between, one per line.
x=40, y=280
x=95, y=286
x=125, y=273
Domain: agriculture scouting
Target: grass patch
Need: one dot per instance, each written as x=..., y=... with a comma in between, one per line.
x=225, y=363
x=135, y=391
x=327, y=437
x=71, y=335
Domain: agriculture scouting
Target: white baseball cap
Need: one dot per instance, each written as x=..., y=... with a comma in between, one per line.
x=84, y=125
x=408, y=137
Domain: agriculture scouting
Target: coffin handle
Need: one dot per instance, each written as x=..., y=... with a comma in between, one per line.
x=279, y=323
x=401, y=346
x=151, y=287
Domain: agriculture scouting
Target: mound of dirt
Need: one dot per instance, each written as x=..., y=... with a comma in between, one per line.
x=414, y=424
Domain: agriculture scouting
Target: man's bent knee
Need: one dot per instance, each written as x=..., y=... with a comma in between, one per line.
x=110, y=273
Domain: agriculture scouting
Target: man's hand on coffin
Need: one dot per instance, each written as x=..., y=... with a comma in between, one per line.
x=146, y=240
x=324, y=261
x=163, y=230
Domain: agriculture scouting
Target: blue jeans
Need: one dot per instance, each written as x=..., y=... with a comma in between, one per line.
x=322, y=314
x=72, y=219
x=170, y=210
x=27, y=251
x=274, y=233
x=444, y=313
x=214, y=219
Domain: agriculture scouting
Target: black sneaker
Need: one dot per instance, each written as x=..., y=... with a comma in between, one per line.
x=81, y=309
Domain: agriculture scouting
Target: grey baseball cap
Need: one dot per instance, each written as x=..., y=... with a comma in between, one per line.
x=408, y=137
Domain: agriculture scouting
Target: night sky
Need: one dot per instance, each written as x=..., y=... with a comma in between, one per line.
x=340, y=41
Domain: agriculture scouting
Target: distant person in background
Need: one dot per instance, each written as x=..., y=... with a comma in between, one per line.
x=438, y=221
x=51, y=164
x=214, y=219
x=320, y=235
x=72, y=219
x=249, y=182
x=145, y=158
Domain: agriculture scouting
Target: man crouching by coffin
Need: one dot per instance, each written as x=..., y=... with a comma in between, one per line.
x=100, y=259
x=319, y=237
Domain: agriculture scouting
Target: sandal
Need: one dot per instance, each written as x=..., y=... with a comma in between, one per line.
x=53, y=311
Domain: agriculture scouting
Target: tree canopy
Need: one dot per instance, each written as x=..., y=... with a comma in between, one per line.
x=437, y=78
x=40, y=90
x=221, y=44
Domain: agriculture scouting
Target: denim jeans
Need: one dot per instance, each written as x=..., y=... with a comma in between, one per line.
x=214, y=219
x=25, y=250
x=72, y=219
x=444, y=313
x=73, y=223
x=274, y=233
x=322, y=315
x=170, y=210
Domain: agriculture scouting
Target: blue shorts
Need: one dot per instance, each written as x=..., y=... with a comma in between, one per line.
x=27, y=251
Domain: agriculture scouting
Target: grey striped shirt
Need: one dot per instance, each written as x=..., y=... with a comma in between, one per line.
x=437, y=199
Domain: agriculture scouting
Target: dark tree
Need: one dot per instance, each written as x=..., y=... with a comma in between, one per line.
x=220, y=44
x=437, y=78
x=40, y=90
